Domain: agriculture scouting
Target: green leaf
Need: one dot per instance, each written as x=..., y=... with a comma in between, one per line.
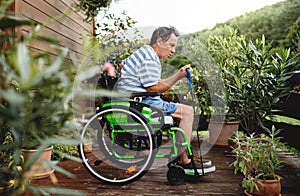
x=55, y=190
x=284, y=119
x=12, y=96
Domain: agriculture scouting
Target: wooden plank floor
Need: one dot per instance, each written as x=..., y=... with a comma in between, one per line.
x=220, y=182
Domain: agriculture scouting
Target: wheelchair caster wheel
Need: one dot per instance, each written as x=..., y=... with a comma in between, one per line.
x=176, y=175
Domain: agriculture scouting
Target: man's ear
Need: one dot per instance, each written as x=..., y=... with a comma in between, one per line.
x=159, y=41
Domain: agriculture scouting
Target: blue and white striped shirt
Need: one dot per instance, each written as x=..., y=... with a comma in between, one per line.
x=140, y=70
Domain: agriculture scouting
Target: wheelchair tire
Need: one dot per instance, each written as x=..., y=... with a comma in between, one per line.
x=176, y=175
x=119, y=155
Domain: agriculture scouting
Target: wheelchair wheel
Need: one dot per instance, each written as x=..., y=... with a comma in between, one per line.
x=176, y=175
x=123, y=145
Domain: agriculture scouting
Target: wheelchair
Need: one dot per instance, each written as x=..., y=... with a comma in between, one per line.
x=128, y=135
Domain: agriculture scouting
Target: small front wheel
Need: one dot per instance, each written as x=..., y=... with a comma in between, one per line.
x=176, y=175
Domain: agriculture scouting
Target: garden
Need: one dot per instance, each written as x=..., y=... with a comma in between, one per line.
x=239, y=78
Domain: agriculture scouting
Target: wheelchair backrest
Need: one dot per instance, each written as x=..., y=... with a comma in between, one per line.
x=152, y=114
x=107, y=82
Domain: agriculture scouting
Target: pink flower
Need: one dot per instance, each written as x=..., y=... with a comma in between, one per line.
x=110, y=69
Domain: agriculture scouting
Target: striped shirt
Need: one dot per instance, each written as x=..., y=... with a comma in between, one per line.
x=140, y=70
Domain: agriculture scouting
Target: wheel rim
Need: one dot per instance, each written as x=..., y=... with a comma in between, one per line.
x=97, y=160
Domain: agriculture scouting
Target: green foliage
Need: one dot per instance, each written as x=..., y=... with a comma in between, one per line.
x=224, y=50
x=177, y=61
x=206, y=76
x=34, y=89
x=271, y=21
x=110, y=42
x=61, y=151
x=255, y=77
x=292, y=41
x=112, y=27
x=6, y=159
x=35, y=93
x=283, y=119
x=201, y=91
x=276, y=23
x=91, y=8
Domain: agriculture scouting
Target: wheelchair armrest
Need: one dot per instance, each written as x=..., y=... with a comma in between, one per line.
x=142, y=94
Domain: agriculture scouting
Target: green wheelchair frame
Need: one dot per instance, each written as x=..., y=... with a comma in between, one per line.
x=128, y=136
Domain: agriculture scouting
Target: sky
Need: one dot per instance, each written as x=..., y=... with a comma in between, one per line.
x=187, y=16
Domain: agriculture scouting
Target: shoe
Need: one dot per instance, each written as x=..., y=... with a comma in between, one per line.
x=206, y=162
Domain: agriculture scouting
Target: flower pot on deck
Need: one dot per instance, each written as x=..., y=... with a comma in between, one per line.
x=266, y=187
x=39, y=169
x=219, y=132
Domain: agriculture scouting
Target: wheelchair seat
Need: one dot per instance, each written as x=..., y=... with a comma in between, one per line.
x=169, y=120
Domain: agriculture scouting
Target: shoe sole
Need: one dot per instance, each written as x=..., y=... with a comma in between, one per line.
x=206, y=163
x=205, y=170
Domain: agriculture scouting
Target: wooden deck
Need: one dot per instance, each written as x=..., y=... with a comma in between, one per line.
x=220, y=182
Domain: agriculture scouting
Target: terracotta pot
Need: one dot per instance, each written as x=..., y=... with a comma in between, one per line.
x=269, y=187
x=219, y=132
x=38, y=169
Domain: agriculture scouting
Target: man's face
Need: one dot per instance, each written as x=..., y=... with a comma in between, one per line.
x=166, y=49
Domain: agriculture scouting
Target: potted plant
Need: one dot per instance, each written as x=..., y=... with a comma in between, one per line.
x=35, y=90
x=235, y=137
x=255, y=77
x=258, y=161
x=221, y=127
x=35, y=94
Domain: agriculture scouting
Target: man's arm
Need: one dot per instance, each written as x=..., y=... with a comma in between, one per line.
x=164, y=84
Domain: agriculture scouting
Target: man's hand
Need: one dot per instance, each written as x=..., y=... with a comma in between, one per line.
x=183, y=70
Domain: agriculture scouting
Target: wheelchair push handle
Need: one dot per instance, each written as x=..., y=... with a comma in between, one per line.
x=188, y=71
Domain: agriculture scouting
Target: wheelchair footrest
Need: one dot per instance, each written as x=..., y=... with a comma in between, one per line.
x=178, y=175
